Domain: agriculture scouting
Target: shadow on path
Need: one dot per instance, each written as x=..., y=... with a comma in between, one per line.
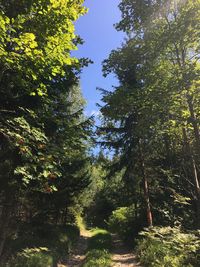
x=122, y=256
x=77, y=258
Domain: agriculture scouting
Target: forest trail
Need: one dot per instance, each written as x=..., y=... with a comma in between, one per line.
x=77, y=258
x=122, y=256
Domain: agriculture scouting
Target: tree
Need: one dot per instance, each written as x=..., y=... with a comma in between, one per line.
x=43, y=129
x=158, y=96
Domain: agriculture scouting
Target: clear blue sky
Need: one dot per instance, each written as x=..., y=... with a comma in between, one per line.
x=96, y=29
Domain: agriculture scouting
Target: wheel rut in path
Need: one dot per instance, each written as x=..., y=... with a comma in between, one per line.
x=78, y=256
x=122, y=256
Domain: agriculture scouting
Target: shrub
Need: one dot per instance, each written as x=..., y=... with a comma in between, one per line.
x=98, y=258
x=119, y=218
x=99, y=246
x=34, y=257
x=101, y=239
x=169, y=247
x=123, y=222
x=58, y=239
x=69, y=233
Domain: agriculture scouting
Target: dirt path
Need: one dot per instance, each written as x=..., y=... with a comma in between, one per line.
x=122, y=256
x=78, y=256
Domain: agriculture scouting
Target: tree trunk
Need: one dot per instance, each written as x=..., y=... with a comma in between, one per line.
x=146, y=188
x=4, y=226
x=195, y=174
x=194, y=121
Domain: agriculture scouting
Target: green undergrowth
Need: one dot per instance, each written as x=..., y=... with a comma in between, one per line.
x=80, y=222
x=169, y=247
x=99, y=246
x=44, y=245
x=101, y=239
x=32, y=257
x=98, y=258
x=122, y=221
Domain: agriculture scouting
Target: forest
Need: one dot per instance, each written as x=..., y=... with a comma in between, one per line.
x=121, y=192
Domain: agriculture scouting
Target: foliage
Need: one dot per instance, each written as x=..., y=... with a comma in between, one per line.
x=108, y=193
x=124, y=222
x=43, y=131
x=98, y=249
x=98, y=258
x=36, y=39
x=101, y=239
x=150, y=121
x=33, y=257
x=149, y=124
x=60, y=240
x=88, y=197
x=166, y=246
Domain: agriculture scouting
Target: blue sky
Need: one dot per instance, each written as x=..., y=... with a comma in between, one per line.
x=96, y=29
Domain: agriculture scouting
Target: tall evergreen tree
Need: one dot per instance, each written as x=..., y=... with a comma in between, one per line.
x=151, y=119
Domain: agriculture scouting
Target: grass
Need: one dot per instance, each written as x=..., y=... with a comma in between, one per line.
x=80, y=222
x=101, y=239
x=98, y=258
x=98, y=249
